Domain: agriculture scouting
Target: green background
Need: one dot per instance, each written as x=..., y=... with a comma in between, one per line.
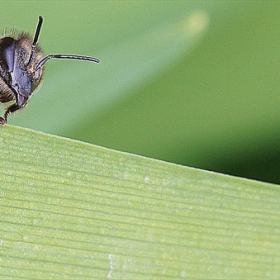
x=190, y=82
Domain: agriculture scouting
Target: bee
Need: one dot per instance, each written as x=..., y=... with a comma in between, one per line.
x=22, y=67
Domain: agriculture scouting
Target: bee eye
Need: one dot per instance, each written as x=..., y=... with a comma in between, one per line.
x=8, y=52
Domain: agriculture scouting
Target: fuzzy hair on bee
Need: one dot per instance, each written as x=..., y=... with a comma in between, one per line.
x=21, y=68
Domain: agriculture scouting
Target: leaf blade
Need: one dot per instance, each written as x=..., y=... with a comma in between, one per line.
x=70, y=209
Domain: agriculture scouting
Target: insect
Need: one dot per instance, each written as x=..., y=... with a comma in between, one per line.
x=21, y=68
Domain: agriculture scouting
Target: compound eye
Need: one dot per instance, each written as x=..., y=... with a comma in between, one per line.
x=8, y=47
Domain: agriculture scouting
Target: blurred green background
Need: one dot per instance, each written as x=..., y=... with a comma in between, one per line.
x=190, y=82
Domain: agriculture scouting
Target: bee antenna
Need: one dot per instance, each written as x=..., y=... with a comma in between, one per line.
x=35, y=39
x=66, y=56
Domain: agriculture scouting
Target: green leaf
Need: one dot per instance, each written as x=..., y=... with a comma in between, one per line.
x=74, y=210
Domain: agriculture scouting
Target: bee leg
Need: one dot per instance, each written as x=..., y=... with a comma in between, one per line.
x=9, y=110
x=2, y=121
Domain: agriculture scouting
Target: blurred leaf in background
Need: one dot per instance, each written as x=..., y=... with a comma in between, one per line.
x=191, y=82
